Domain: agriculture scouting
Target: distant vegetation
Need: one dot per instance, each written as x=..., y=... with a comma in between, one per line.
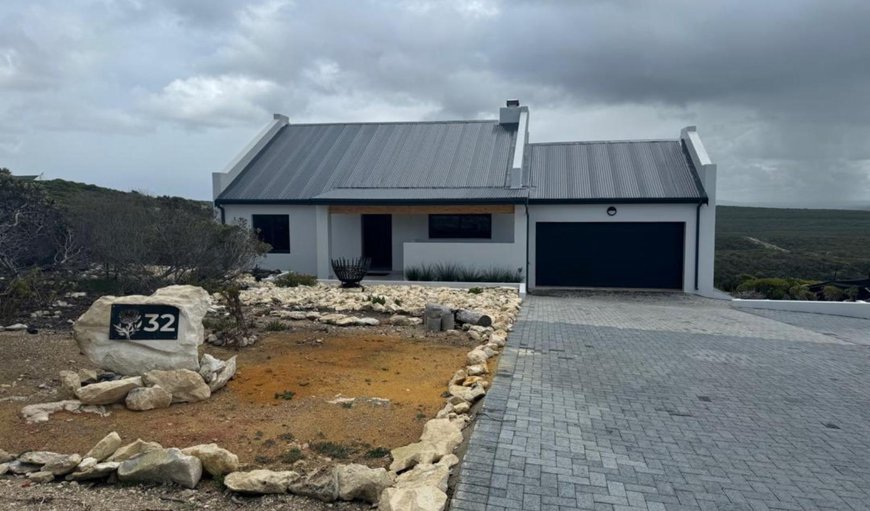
x=796, y=244
x=57, y=236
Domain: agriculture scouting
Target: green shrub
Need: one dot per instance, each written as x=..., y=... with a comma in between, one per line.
x=449, y=272
x=292, y=456
x=833, y=294
x=287, y=395
x=475, y=290
x=293, y=279
x=276, y=326
x=775, y=288
x=377, y=299
x=852, y=293
x=332, y=449
x=377, y=452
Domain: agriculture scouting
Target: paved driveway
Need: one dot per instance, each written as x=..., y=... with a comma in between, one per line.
x=651, y=402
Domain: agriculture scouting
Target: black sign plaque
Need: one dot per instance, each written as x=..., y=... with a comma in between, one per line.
x=143, y=322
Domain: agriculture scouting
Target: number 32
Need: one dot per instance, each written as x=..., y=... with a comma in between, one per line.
x=153, y=324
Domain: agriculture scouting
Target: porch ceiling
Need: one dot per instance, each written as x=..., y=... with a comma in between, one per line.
x=422, y=209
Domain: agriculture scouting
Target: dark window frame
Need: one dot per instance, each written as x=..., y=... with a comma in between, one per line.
x=269, y=231
x=467, y=226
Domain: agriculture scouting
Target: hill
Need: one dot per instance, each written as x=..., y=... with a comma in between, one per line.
x=812, y=244
x=70, y=194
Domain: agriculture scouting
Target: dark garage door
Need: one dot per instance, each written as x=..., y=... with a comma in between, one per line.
x=610, y=254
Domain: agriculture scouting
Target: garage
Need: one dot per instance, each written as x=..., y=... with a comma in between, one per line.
x=641, y=255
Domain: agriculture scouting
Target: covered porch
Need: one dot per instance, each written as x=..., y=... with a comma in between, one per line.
x=401, y=237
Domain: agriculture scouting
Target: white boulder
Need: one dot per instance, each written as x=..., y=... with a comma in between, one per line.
x=258, y=482
x=215, y=460
x=186, y=386
x=359, y=482
x=105, y=447
x=135, y=357
x=107, y=392
x=162, y=466
x=148, y=398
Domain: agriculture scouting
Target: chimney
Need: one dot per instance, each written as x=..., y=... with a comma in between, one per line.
x=509, y=115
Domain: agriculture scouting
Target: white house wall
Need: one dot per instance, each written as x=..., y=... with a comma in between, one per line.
x=303, y=234
x=684, y=213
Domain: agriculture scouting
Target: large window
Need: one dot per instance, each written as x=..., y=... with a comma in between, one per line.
x=274, y=230
x=460, y=226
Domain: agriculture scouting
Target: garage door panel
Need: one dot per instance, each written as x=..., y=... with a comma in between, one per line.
x=610, y=254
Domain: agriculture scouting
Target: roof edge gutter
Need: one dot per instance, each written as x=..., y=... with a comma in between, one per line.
x=311, y=202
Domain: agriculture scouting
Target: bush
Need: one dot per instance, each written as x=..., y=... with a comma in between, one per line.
x=775, y=289
x=378, y=299
x=293, y=279
x=332, y=449
x=449, y=272
x=30, y=291
x=833, y=294
x=475, y=290
x=852, y=293
x=276, y=326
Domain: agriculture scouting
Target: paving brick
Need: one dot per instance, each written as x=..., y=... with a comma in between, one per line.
x=670, y=402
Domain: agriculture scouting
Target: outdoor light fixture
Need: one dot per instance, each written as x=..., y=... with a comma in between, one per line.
x=611, y=211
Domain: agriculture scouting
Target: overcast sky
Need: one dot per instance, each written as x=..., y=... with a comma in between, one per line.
x=155, y=95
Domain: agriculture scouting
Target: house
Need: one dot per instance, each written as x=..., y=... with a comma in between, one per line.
x=611, y=214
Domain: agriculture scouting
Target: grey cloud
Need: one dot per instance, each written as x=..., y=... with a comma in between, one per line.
x=778, y=88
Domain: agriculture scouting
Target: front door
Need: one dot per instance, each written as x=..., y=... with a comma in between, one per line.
x=377, y=240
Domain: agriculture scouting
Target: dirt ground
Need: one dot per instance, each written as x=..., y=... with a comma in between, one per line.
x=252, y=415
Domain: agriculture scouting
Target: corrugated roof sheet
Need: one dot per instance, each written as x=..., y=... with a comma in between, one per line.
x=398, y=194
x=633, y=170
x=306, y=161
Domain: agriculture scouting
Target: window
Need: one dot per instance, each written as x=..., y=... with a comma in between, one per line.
x=274, y=230
x=460, y=226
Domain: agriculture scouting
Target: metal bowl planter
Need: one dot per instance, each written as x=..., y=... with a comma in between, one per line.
x=350, y=271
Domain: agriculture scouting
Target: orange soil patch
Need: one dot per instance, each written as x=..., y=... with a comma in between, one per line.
x=249, y=420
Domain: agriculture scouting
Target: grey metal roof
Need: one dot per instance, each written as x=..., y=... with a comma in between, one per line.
x=630, y=170
x=401, y=160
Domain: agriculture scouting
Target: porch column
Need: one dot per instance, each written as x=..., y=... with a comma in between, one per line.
x=520, y=235
x=322, y=240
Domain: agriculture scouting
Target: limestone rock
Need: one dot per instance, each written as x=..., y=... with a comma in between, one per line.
x=461, y=407
x=215, y=460
x=107, y=392
x=260, y=481
x=134, y=449
x=320, y=484
x=425, y=475
x=400, y=320
x=105, y=447
x=209, y=366
x=41, y=477
x=470, y=394
x=19, y=467
x=87, y=376
x=367, y=322
x=91, y=470
x=222, y=377
x=443, y=435
x=476, y=357
x=184, y=385
x=471, y=380
x=70, y=383
x=409, y=455
x=91, y=332
x=52, y=462
x=423, y=498
x=162, y=466
x=42, y=411
x=4, y=467
x=148, y=398
x=476, y=370
x=359, y=482
x=5, y=457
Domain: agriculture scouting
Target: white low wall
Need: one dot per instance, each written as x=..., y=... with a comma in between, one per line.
x=850, y=309
x=470, y=254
